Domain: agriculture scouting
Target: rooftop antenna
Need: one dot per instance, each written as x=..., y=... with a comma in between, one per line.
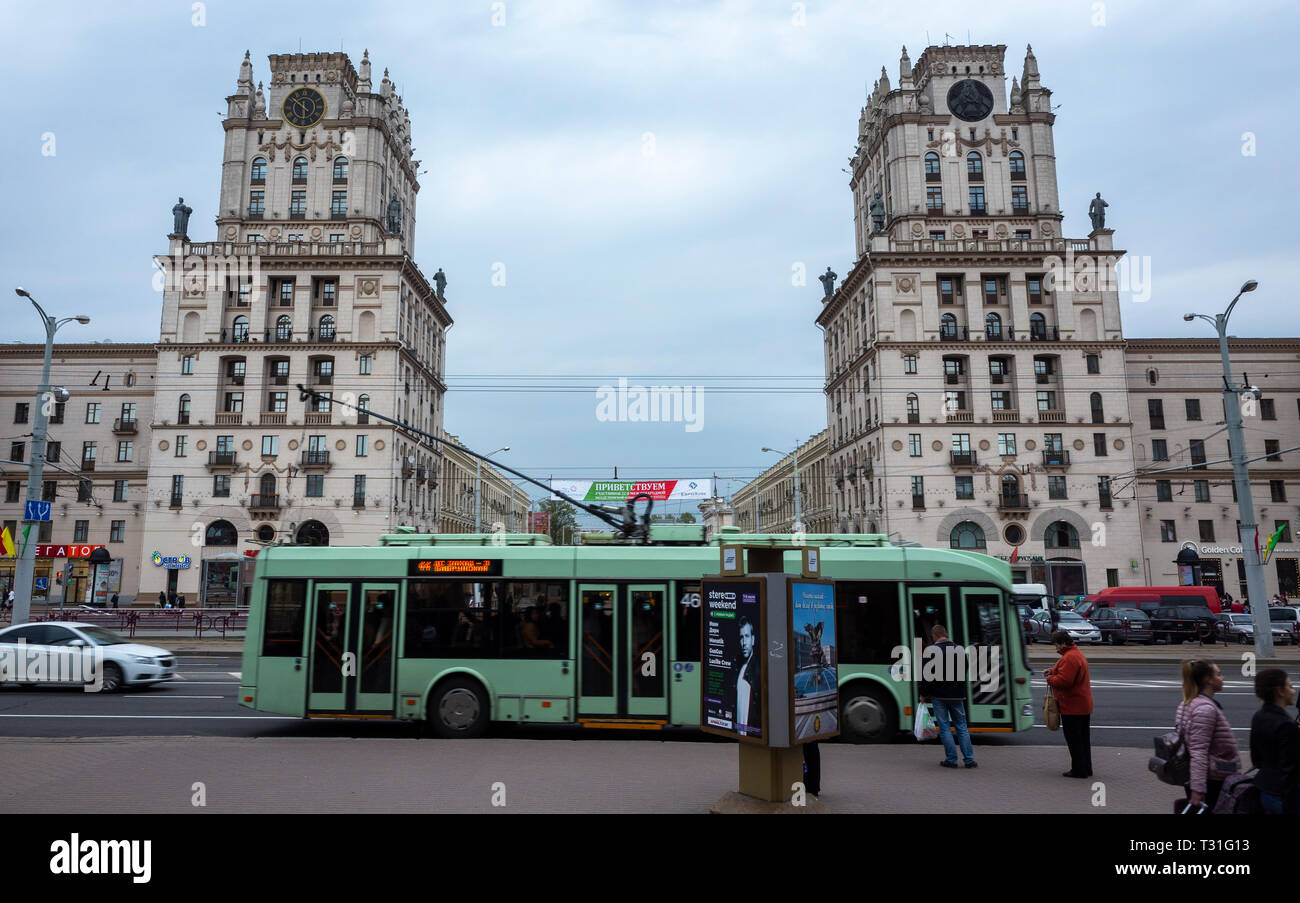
x=946, y=38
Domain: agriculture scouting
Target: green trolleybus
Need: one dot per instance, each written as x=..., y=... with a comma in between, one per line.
x=463, y=629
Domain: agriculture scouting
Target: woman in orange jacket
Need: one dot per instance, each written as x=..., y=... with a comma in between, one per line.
x=1070, y=684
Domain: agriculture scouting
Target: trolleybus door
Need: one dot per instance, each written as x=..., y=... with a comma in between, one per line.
x=329, y=630
x=598, y=666
x=928, y=606
x=987, y=703
x=646, y=662
x=375, y=631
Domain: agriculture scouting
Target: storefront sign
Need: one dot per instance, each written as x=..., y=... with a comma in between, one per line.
x=1236, y=550
x=173, y=563
x=65, y=551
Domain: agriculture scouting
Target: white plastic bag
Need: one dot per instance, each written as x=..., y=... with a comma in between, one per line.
x=924, y=727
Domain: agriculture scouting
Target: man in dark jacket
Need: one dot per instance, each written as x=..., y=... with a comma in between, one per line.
x=1275, y=744
x=947, y=695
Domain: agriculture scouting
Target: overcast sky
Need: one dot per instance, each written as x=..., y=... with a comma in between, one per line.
x=648, y=174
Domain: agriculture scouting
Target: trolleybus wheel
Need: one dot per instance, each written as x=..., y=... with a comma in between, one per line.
x=868, y=715
x=459, y=709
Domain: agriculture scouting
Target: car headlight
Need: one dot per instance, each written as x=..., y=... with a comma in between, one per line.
x=142, y=659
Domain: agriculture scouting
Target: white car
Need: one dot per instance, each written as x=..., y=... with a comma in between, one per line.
x=125, y=662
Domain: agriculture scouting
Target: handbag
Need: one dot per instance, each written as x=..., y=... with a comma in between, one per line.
x=1172, y=762
x=1051, y=712
x=1239, y=796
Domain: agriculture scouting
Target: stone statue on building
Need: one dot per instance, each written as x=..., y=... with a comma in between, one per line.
x=394, y=216
x=877, y=208
x=440, y=280
x=1097, y=210
x=828, y=281
x=181, y=218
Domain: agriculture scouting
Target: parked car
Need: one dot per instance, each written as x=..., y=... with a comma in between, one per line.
x=125, y=663
x=1123, y=625
x=1179, y=623
x=1080, y=629
x=1166, y=595
x=1284, y=615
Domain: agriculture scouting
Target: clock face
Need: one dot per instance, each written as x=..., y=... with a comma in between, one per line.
x=304, y=107
x=970, y=100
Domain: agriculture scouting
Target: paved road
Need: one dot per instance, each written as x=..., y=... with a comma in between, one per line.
x=1134, y=701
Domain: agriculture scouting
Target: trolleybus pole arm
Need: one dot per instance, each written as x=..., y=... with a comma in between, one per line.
x=305, y=393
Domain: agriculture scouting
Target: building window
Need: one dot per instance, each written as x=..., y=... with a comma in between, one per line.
x=950, y=288
x=1197, y=449
x=363, y=410
x=1285, y=527
x=338, y=203
x=258, y=171
x=1094, y=405
x=124, y=452
x=81, y=531
x=315, y=485
x=1167, y=531
x=993, y=327
x=321, y=404
x=1016, y=163
x=909, y=363
x=1271, y=449
x=1277, y=490
x=119, y=490
x=279, y=402
x=1266, y=410
x=12, y=490
x=283, y=328
x=53, y=452
x=298, y=204
x=1061, y=535
x=270, y=446
x=974, y=165
x=914, y=445
x=89, y=453
x=359, y=490
x=285, y=292
x=300, y=169
x=233, y=403
x=1207, y=530
x=1056, y=487
x=937, y=235
x=340, y=169
x=934, y=199
x=326, y=327
x=976, y=197
x=221, y=486
x=1019, y=199
x=966, y=535
x=1202, y=488
x=1103, y=492
x=1164, y=491
x=239, y=331
x=256, y=203
x=328, y=292
x=1047, y=401
x=1193, y=408
x=1159, y=450
x=92, y=412
x=182, y=411
x=22, y=411
x=180, y=446
x=966, y=488
x=365, y=363
x=117, y=532
x=363, y=446
x=1001, y=400
x=1099, y=444
x=178, y=489
x=932, y=166
x=918, y=492
x=1156, y=412
x=49, y=490
x=1094, y=363
x=1006, y=443
x=187, y=365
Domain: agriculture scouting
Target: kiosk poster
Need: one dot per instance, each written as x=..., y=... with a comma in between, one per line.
x=816, y=692
x=732, y=689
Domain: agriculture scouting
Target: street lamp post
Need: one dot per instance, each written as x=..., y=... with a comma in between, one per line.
x=798, y=519
x=26, y=569
x=478, y=489
x=1241, y=478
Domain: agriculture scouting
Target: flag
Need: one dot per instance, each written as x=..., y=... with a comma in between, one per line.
x=27, y=531
x=1272, y=541
x=1257, y=558
x=1015, y=553
x=7, y=543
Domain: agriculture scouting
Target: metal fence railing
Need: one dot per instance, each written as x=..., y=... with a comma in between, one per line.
x=126, y=621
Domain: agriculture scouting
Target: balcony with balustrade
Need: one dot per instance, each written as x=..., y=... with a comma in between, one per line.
x=222, y=460
x=315, y=459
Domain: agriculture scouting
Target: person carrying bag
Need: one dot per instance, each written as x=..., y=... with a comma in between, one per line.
x=1211, y=747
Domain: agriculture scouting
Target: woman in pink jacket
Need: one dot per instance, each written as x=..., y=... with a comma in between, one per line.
x=1200, y=719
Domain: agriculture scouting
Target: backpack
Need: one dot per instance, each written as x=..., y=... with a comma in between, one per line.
x=1239, y=796
x=1172, y=762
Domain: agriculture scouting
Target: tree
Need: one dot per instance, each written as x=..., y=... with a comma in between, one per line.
x=562, y=521
x=687, y=518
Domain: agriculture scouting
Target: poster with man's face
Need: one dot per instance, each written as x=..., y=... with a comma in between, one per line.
x=732, y=688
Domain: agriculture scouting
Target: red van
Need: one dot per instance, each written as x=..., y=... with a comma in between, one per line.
x=1149, y=598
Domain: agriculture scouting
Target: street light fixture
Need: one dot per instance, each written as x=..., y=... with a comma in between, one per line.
x=798, y=519
x=26, y=566
x=1248, y=529
x=478, y=489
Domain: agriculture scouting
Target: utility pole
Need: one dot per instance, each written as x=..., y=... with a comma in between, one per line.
x=1246, y=535
x=45, y=400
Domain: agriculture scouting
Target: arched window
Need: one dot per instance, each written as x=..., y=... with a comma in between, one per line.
x=975, y=165
x=1094, y=401
x=913, y=408
x=221, y=533
x=183, y=410
x=267, y=485
x=313, y=533
x=1037, y=327
x=993, y=326
x=259, y=170
x=363, y=408
x=1060, y=535
x=283, y=328
x=1017, y=164
x=239, y=331
x=948, y=326
x=966, y=535
x=1010, y=488
x=300, y=169
x=340, y=169
x=932, y=164
x=326, y=328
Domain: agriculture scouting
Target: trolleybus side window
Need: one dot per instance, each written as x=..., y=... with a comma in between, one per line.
x=688, y=623
x=868, y=621
x=501, y=619
x=535, y=618
x=286, y=604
